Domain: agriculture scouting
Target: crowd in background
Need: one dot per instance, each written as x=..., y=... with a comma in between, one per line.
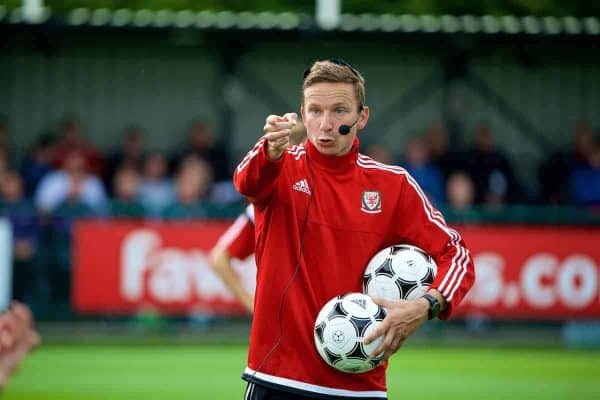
x=64, y=177
x=483, y=175
x=65, y=168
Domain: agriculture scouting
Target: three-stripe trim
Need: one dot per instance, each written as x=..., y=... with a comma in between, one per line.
x=250, y=155
x=296, y=151
x=249, y=391
x=458, y=267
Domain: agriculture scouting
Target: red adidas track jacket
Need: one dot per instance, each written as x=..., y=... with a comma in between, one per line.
x=355, y=206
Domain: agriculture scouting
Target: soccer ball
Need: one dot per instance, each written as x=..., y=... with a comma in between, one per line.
x=399, y=272
x=340, y=328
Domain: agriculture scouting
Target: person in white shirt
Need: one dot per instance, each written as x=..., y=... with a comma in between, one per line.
x=72, y=181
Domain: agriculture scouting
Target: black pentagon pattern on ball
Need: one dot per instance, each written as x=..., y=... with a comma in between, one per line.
x=409, y=291
x=404, y=287
x=426, y=256
x=365, y=282
x=357, y=353
x=338, y=310
x=428, y=278
x=385, y=268
x=381, y=314
x=319, y=329
x=360, y=325
x=333, y=358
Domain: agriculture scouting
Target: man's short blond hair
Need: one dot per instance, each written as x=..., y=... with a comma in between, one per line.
x=335, y=71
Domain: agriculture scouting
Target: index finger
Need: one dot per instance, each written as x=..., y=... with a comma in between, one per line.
x=276, y=135
x=379, y=330
x=274, y=119
x=291, y=117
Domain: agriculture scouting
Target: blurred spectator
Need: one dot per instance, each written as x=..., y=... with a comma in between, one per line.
x=585, y=179
x=4, y=134
x=202, y=143
x=17, y=338
x=10, y=152
x=130, y=154
x=37, y=163
x=460, y=191
x=126, y=187
x=71, y=139
x=71, y=183
x=59, y=242
x=156, y=190
x=192, y=185
x=460, y=194
x=224, y=193
x=26, y=234
x=4, y=162
x=418, y=164
x=379, y=153
x=584, y=142
x=556, y=171
x=495, y=182
x=447, y=160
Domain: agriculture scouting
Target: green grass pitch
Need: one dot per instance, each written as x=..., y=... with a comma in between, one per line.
x=212, y=372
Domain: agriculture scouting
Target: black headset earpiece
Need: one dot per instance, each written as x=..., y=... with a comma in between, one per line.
x=345, y=129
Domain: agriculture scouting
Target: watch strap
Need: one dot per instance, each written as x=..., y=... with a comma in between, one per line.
x=434, y=306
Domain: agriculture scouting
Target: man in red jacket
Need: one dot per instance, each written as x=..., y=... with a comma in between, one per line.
x=322, y=210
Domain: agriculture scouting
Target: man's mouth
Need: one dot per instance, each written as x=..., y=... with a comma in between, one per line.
x=325, y=140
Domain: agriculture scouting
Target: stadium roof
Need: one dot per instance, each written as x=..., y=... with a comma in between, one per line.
x=288, y=21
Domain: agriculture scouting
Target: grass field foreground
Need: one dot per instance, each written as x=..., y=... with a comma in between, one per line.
x=213, y=373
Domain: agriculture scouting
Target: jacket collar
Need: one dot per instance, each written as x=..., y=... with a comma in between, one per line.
x=333, y=163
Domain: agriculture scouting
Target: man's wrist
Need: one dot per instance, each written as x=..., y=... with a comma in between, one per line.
x=434, y=306
x=424, y=304
x=274, y=155
x=435, y=293
x=435, y=303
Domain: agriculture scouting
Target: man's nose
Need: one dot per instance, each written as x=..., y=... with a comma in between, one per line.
x=327, y=123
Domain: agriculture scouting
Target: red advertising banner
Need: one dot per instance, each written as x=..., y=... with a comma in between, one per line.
x=126, y=267
x=522, y=272
x=549, y=273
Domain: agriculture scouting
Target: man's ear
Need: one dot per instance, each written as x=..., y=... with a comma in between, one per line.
x=364, y=117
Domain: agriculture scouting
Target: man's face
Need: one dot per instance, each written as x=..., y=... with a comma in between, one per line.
x=75, y=164
x=12, y=188
x=326, y=107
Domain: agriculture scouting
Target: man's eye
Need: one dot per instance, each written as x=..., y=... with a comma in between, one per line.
x=314, y=111
x=340, y=110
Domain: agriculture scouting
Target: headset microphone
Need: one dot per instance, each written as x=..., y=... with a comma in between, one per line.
x=345, y=129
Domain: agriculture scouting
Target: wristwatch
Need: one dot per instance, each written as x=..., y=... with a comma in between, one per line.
x=434, y=306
